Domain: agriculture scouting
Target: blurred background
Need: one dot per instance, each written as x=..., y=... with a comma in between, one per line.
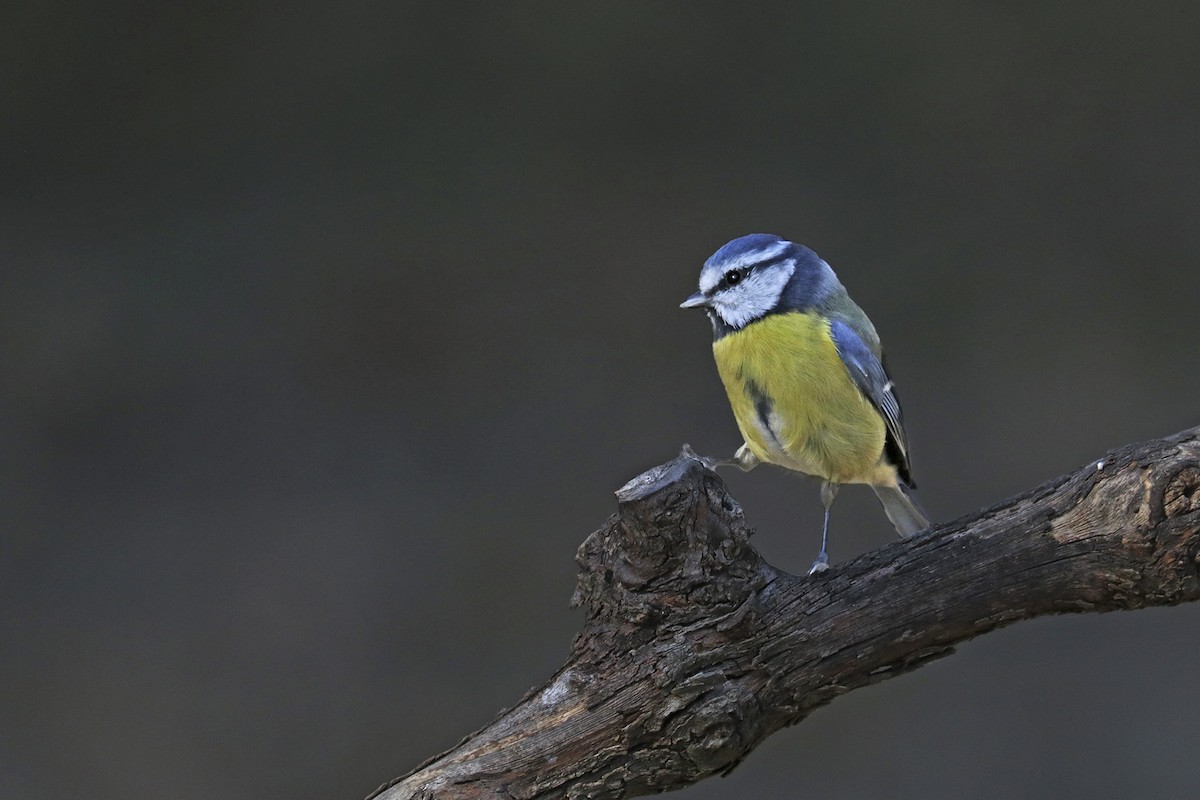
x=327, y=332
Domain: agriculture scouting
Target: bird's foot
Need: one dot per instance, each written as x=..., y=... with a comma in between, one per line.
x=820, y=565
x=709, y=462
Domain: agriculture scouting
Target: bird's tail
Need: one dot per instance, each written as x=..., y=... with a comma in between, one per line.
x=901, y=510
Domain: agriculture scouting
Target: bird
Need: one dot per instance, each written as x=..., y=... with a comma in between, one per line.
x=804, y=371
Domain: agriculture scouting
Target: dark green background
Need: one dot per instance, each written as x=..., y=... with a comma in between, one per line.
x=328, y=329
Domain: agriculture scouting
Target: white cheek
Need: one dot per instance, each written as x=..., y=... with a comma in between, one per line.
x=751, y=299
x=735, y=312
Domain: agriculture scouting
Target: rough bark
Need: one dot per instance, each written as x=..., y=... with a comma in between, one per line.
x=694, y=649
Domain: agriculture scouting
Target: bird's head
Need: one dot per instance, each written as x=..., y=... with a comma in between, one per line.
x=746, y=279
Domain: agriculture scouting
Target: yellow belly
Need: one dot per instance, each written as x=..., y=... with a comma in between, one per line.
x=794, y=401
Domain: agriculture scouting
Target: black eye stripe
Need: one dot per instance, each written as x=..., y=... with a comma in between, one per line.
x=744, y=272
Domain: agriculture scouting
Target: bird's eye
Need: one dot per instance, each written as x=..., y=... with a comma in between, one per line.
x=734, y=277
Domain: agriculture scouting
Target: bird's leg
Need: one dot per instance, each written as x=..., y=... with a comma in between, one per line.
x=743, y=459
x=829, y=491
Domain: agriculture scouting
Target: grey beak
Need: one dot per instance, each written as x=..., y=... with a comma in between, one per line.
x=697, y=300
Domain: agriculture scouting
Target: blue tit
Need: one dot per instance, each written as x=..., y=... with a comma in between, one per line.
x=804, y=372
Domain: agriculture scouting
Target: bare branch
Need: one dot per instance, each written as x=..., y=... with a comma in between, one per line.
x=695, y=649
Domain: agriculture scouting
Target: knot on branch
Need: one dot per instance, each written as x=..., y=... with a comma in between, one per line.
x=722, y=725
x=677, y=551
x=1178, y=552
x=1182, y=493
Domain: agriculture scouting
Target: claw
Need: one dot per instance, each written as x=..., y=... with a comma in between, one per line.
x=710, y=463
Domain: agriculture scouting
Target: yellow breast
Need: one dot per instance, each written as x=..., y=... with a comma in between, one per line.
x=794, y=401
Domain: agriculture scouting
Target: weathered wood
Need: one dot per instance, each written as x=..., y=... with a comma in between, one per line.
x=694, y=649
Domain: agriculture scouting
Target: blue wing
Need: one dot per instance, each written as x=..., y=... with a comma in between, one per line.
x=867, y=371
